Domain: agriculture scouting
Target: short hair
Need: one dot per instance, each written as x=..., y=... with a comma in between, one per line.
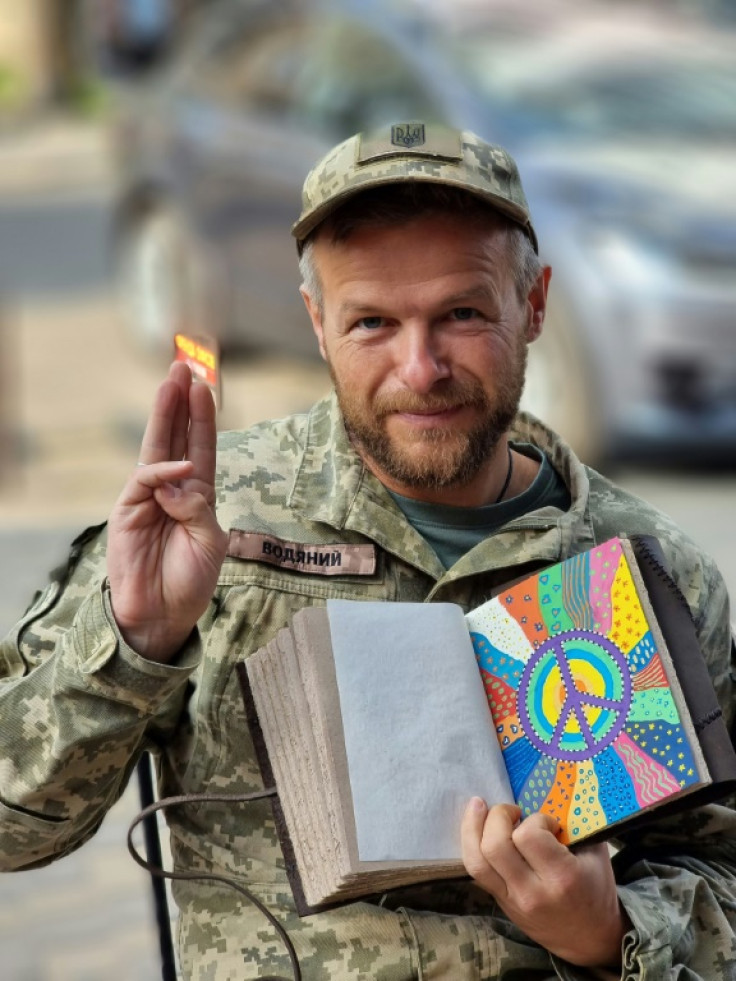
x=397, y=204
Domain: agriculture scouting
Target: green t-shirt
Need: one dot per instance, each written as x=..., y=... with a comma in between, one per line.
x=453, y=531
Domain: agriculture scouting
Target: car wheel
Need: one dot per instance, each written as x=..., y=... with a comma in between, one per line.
x=162, y=281
x=560, y=388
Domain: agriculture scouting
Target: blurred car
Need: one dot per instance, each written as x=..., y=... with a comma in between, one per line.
x=626, y=151
x=213, y=152
x=626, y=138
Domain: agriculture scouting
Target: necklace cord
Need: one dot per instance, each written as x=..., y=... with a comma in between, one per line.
x=509, y=473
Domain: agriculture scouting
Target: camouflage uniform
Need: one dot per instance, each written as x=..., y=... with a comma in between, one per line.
x=78, y=705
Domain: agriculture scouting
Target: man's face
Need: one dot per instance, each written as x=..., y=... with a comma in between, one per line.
x=425, y=339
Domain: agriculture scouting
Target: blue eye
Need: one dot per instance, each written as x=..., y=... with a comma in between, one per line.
x=370, y=323
x=465, y=313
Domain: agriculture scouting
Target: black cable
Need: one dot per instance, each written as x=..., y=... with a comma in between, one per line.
x=158, y=872
x=152, y=844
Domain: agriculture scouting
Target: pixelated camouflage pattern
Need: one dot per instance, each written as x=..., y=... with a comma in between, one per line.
x=78, y=705
x=441, y=156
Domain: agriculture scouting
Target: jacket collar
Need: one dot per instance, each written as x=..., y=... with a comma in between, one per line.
x=330, y=475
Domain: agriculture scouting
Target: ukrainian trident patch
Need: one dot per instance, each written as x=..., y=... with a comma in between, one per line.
x=407, y=134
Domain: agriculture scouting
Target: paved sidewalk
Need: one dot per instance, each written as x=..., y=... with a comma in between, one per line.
x=54, y=154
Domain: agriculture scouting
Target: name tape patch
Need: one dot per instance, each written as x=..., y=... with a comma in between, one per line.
x=320, y=560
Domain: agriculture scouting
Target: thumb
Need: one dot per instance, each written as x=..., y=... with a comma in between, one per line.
x=474, y=818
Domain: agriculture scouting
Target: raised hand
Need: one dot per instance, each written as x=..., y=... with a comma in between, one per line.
x=566, y=901
x=165, y=546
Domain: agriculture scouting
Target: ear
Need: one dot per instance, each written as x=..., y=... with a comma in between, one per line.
x=315, y=315
x=537, y=304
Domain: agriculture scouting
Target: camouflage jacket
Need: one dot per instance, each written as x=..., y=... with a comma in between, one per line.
x=78, y=706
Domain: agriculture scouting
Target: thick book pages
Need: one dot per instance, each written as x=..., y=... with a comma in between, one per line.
x=294, y=712
x=378, y=721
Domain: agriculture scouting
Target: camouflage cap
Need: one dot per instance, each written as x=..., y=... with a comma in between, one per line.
x=413, y=151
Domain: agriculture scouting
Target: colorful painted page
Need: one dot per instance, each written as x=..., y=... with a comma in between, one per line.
x=585, y=715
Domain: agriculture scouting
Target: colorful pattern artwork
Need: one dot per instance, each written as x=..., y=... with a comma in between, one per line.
x=584, y=712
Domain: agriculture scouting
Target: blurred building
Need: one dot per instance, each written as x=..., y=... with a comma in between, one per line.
x=49, y=48
x=26, y=71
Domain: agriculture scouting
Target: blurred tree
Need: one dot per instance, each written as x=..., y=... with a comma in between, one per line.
x=64, y=21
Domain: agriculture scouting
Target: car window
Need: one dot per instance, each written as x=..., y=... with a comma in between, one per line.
x=353, y=79
x=326, y=74
x=666, y=97
x=673, y=100
x=259, y=71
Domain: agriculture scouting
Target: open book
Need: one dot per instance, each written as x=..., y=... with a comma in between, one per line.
x=580, y=691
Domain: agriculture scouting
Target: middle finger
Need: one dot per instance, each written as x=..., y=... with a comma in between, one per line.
x=169, y=419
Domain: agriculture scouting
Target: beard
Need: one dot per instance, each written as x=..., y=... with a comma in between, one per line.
x=443, y=457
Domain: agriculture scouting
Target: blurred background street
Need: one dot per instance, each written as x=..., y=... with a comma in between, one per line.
x=82, y=219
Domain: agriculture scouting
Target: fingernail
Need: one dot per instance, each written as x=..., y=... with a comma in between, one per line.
x=170, y=490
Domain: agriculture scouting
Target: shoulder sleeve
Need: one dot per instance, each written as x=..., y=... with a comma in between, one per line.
x=78, y=706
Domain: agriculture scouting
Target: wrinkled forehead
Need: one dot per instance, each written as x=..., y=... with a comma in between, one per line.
x=442, y=254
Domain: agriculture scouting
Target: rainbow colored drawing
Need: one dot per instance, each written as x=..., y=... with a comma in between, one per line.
x=584, y=712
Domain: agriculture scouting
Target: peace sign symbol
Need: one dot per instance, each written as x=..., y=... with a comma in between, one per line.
x=574, y=695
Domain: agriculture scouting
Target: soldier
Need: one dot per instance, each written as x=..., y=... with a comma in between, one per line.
x=424, y=288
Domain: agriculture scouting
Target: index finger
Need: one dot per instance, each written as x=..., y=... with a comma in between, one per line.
x=165, y=436
x=486, y=837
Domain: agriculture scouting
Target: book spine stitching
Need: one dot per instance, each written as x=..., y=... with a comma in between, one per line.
x=707, y=720
x=643, y=551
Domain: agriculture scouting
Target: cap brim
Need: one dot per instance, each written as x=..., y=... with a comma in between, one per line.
x=307, y=223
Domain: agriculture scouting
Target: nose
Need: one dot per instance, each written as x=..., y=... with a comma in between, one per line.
x=421, y=359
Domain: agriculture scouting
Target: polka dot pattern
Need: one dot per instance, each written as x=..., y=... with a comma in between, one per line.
x=602, y=735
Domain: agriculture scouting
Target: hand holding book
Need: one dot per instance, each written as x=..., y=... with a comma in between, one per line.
x=567, y=902
x=601, y=710
x=586, y=704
